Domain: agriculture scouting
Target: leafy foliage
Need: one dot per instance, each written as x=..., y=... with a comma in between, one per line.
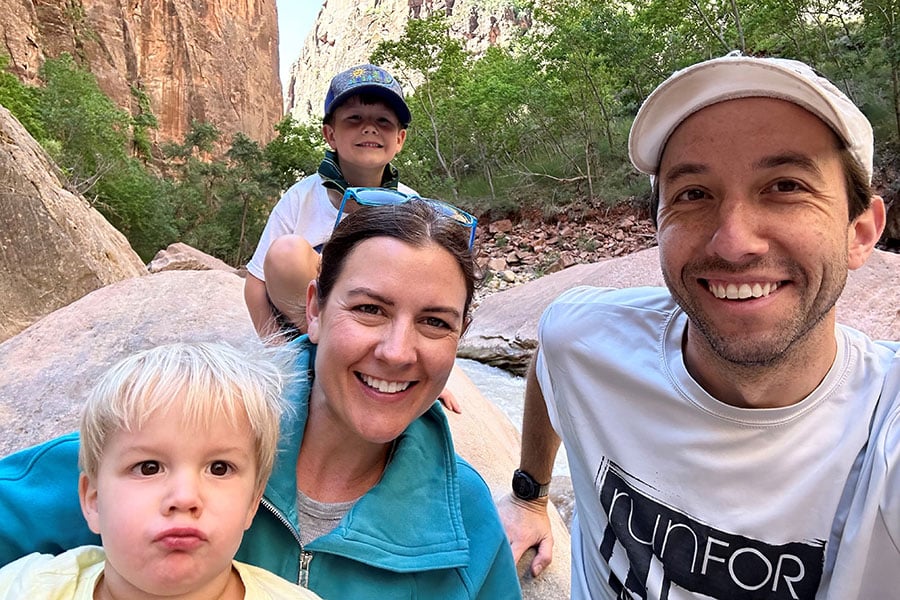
x=295, y=152
x=21, y=100
x=218, y=205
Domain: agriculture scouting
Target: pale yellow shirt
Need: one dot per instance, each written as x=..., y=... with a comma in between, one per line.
x=73, y=575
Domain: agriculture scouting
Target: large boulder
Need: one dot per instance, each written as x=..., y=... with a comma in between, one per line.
x=54, y=247
x=181, y=257
x=47, y=370
x=503, y=332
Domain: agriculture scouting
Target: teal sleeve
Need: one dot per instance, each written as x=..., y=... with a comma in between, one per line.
x=39, y=507
x=492, y=570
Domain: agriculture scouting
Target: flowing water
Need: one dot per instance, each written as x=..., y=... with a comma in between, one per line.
x=507, y=392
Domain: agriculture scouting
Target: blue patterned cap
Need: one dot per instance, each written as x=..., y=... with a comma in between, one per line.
x=367, y=79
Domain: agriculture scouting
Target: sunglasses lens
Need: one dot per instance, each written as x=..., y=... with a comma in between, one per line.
x=382, y=197
x=457, y=214
x=377, y=196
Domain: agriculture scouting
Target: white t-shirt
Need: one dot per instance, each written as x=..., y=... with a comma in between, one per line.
x=305, y=210
x=679, y=495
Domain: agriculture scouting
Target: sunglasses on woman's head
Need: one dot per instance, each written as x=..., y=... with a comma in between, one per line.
x=374, y=196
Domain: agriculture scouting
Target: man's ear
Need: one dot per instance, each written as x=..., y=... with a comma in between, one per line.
x=87, y=495
x=864, y=233
x=312, y=311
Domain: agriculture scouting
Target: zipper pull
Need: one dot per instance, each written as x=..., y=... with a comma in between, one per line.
x=305, y=558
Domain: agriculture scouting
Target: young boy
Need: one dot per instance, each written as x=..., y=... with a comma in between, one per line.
x=177, y=443
x=365, y=125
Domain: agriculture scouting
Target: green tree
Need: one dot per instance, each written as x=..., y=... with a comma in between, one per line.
x=250, y=186
x=882, y=24
x=91, y=131
x=429, y=56
x=138, y=204
x=21, y=100
x=295, y=152
x=89, y=140
x=143, y=120
x=494, y=98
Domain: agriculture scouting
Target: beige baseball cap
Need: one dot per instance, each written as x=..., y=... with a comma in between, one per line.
x=734, y=76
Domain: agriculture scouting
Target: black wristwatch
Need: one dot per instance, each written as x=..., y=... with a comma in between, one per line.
x=526, y=487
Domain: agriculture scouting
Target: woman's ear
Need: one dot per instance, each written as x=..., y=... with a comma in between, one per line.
x=87, y=495
x=312, y=311
x=864, y=233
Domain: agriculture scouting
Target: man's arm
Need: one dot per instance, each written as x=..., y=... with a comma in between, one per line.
x=259, y=307
x=526, y=521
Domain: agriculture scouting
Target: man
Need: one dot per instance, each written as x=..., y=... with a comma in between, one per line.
x=726, y=438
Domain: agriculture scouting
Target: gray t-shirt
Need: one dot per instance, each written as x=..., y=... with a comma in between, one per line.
x=318, y=518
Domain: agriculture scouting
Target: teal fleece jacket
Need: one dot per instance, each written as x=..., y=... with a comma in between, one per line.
x=428, y=529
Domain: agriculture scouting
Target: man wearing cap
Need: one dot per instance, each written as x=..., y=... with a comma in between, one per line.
x=726, y=438
x=365, y=125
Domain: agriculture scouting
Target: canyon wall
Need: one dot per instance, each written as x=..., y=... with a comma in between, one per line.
x=204, y=60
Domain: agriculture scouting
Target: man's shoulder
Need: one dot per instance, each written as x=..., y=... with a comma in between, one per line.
x=592, y=298
x=882, y=355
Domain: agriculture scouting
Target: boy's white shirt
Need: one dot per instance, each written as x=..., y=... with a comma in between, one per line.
x=305, y=210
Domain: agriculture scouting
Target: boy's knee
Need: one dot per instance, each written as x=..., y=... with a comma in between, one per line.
x=286, y=247
x=290, y=256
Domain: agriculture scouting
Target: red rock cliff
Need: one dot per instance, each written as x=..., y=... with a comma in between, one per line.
x=205, y=60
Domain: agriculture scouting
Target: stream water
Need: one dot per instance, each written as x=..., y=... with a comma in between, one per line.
x=507, y=392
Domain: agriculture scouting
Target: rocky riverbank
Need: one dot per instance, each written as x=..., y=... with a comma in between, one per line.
x=513, y=253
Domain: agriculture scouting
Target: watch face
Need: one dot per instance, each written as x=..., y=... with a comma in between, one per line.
x=523, y=487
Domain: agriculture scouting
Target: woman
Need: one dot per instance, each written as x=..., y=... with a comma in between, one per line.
x=367, y=498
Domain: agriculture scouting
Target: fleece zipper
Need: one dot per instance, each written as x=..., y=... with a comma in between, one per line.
x=305, y=555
